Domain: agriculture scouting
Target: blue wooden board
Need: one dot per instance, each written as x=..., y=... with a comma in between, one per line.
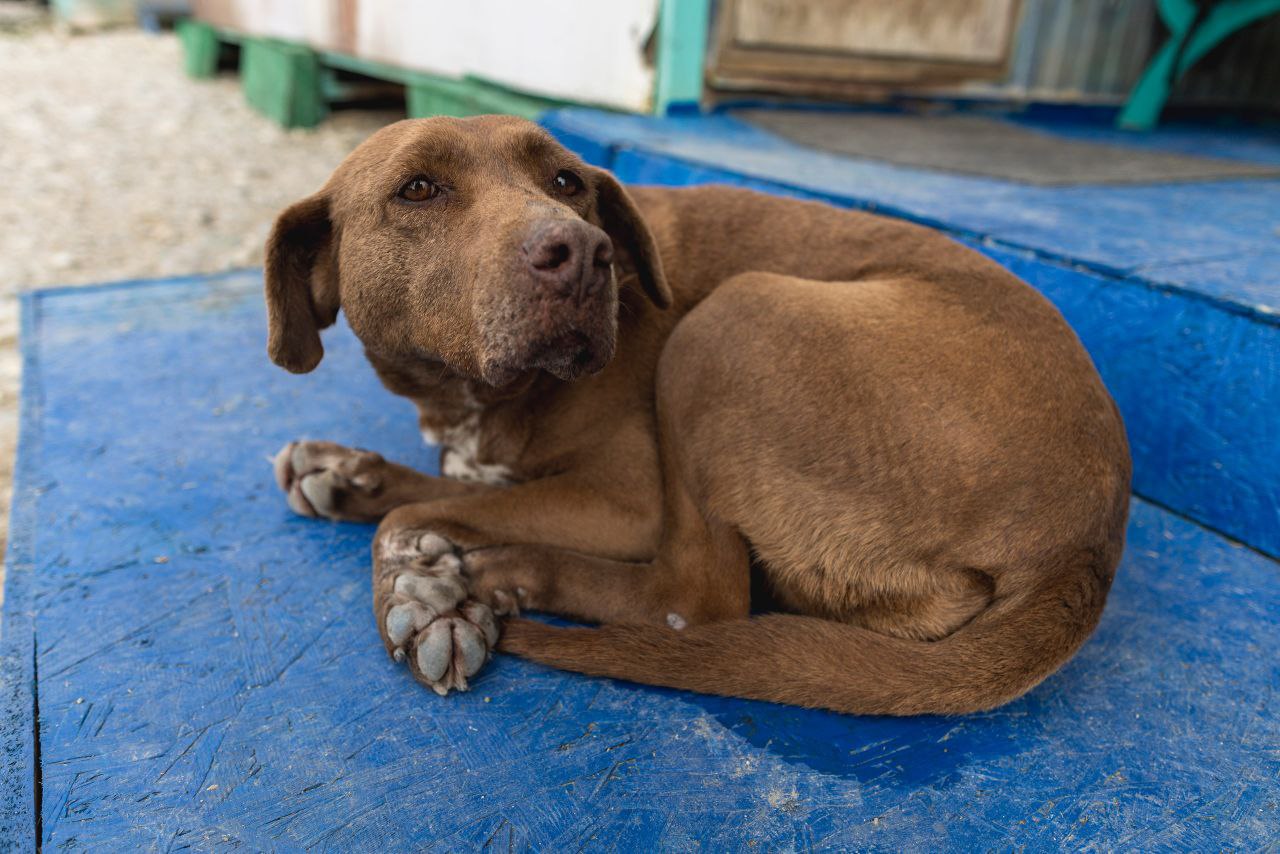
x=1196, y=375
x=1199, y=389
x=210, y=676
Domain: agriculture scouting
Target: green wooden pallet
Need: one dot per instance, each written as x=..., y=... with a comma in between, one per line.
x=295, y=84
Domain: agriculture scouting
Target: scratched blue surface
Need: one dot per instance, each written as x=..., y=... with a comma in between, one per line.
x=1196, y=374
x=210, y=676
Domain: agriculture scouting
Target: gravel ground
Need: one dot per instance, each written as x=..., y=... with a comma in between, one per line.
x=114, y=165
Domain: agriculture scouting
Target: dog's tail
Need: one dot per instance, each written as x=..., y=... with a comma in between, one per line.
x=803, y=661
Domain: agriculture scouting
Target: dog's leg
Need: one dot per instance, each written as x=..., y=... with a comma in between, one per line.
x=350, y=484
x=436, y=612
x=425, y=608
x=700, y=574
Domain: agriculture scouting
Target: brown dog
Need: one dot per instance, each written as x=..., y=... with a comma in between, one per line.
x=641, y=394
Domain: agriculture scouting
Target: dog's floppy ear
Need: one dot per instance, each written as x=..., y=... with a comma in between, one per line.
x=301, y=284
x=623, y=223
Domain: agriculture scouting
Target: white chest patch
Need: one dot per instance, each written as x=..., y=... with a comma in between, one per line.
x=461, y=443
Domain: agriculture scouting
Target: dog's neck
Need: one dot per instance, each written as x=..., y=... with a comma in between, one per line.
x=452, y=415
x=453, y=411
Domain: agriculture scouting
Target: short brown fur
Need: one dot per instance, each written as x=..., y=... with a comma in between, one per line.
x=906, y=439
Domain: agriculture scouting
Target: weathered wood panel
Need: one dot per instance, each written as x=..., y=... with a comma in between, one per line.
x=959, y=30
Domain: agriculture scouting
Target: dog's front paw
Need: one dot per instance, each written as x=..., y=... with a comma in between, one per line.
x=426, y=615
x=331, y=481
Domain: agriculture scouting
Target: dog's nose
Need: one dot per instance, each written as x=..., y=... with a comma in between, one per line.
x=571, y=257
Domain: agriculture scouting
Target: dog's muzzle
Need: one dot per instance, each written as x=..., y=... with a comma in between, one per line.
x=559, y=313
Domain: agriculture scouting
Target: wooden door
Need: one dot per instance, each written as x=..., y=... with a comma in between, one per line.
x=834, y=47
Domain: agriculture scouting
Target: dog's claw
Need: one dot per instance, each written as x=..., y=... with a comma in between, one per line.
x=505, y=604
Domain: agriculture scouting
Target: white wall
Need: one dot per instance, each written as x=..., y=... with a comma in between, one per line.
x=579, y=50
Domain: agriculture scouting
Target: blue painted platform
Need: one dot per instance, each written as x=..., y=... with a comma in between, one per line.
x=1174, y=288
x=209, y=674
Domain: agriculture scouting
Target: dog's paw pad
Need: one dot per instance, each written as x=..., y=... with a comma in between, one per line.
x=439, y=588
x=452, y=649
x=403, y=620
x=418, y=545
x=443, y=650
x=327, y=480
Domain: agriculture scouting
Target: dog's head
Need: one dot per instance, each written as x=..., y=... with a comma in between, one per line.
x=480, y=243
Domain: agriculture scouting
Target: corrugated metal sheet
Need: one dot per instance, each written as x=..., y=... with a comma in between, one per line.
x=1078, y=50
x=1094, y=51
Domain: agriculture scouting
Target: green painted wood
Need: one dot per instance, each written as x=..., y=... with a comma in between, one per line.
x=425, y=94
x=470, y=96
x=1145, y=103
x=200, y=47
x=491, y=97
x=293, y=84
x=681, y=54
x=368, y=67
x=283, y=81
x=438, y=97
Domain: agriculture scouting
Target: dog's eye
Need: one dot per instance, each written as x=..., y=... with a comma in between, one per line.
x=567, y=183
x=418, y=189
